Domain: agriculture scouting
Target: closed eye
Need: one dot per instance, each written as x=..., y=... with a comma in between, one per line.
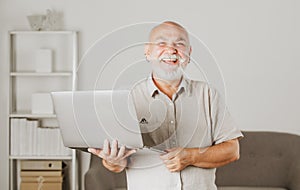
x=161, y=43
x=180, y=44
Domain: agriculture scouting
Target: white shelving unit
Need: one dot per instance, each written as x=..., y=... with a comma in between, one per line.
x=32, y=74
x=24, y=81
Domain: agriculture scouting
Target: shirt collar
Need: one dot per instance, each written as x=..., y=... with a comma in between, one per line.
x=183, y=86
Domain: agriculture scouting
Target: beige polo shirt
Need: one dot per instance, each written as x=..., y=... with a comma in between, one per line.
x=195, y=117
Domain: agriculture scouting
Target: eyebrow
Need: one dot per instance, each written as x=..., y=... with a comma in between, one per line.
x=181, y=39
x=165, y=39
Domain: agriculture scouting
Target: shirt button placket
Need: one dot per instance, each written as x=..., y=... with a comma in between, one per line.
x=172, y=128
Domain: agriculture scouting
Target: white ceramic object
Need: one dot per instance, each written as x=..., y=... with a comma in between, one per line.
x=36, y=21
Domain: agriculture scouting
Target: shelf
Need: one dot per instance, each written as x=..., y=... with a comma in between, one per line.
x=30, y=115
x=42, y=32
x=24, y=80
x=36, y=74
x=44, y=157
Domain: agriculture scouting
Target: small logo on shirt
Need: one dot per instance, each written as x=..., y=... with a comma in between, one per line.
x=143, y=121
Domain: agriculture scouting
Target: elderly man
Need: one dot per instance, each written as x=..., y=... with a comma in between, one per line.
x=184, y=118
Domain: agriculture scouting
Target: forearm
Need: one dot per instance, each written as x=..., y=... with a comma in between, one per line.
x=214, y=156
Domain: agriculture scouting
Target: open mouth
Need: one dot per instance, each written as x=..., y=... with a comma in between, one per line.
x=167, y=60
x=172, y=59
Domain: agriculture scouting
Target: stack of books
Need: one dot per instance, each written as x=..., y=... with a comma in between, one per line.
x=42, y=175
x=28, y=138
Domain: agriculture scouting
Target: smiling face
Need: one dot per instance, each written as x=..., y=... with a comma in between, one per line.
x=168, y=51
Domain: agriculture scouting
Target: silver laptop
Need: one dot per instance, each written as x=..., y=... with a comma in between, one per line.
x=87, y=118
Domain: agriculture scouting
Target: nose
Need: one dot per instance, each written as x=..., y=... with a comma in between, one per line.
x=171, y=49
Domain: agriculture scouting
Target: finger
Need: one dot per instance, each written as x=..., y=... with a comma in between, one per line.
x=94, y=150
x=170, y=150
x=172, y=153
x=174, y=170
x=106, y=147
x=121, y=152
x=167, y=162
x=114, y=148
x=169, y=165
x=130, y=152
x=97, y=152
x=167, y=156
x=172, y=167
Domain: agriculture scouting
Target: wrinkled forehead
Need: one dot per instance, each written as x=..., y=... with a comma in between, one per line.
x=167, y=31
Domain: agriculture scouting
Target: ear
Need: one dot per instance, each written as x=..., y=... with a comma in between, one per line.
x=190, y=52
x=184, y=64
x=147, y=51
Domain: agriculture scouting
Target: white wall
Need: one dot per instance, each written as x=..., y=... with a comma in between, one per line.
x=256, y=44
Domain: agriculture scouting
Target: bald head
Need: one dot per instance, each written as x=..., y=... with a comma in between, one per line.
x=168, y=25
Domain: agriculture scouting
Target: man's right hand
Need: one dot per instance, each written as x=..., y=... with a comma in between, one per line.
x=113, y=159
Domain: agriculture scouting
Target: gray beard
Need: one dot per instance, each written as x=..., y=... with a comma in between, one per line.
x=168, y=76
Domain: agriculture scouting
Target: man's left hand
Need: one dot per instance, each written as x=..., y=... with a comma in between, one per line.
x=176, y=159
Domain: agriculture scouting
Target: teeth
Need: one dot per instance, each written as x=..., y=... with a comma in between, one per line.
x=169, y=58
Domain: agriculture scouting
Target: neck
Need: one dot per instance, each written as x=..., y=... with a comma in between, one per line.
x=167, y=87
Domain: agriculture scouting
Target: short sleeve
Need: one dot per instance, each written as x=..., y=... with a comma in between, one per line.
x=223, y=126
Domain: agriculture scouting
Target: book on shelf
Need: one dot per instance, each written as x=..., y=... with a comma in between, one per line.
x=14, y=140
x=29, y=139
x=34, y=126
x=23, y=136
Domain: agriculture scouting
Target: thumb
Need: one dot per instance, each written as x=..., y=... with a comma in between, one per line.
x=95, y=151
x=92, y=150
x=130, y=152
